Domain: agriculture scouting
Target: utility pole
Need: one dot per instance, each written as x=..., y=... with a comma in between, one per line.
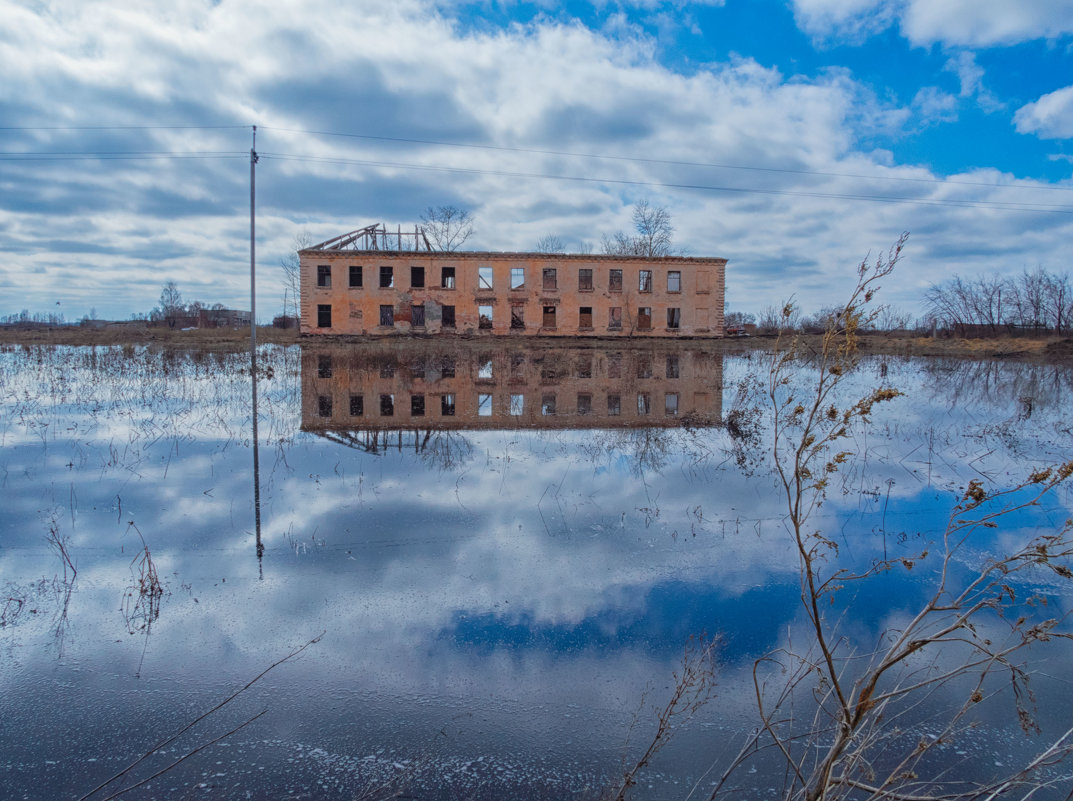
x=253, y=351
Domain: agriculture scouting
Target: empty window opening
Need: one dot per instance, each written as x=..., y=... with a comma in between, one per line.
x=517, y=405
x=644, y=406
x=614, y=405
x=447, y=405
x=484, y=404
x=674, y=281
x=355, y=276
x=674, y=318
x=387, y=277
x=547, y=405
x=324, y=367
x=644, y=282
x=417, y=316
x=614, y=281
x=644, y=318
x=324, y=275
x=517, y=277
x=417, y=405
x=585, y=317
x=584, y=403
x=447, y=316
x=517, y=367
x=484, y=367
x=549, y=317
x=447, y=277
x=484, y=277
x=672, y=366
x=387, y=315
x=387, y=405
x=517, y=317
x=324, y=405
x=550, y=278
x=584, y=279
x=357, y=405
x=417, y=277
x=484, y=317
x=324, y=315
x=614, y=365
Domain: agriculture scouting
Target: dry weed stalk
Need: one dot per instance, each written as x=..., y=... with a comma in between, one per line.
x=141, y=603
x=845, y=721
x=858, y=742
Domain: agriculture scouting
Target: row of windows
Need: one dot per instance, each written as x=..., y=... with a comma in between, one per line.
x=548, y=405
x=549, y=370
x=549, y=278
x=485, y=317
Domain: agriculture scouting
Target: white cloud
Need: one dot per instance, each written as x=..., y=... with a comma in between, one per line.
x=963, y=23
x=797, y=223
x=1050, y=117
x=985, y=23
x=934, y=105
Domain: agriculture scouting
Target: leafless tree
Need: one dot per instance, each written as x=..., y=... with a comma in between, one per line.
x=550, y=244
x=1036, y=299
x=447, y=227
x=292, y=273
x=171, y=300
x=652, y=237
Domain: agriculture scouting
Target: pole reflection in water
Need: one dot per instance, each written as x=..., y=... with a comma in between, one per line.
x=256, y=474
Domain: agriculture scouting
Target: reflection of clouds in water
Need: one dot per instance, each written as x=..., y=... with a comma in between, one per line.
x=538, y=581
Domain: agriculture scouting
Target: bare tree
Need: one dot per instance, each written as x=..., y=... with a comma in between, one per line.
x=292, y=273
x=447, y=227
x=550, y=244
x=171, y=300
x=652, y=235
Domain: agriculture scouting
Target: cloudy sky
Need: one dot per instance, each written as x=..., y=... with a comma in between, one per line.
x=792, y=137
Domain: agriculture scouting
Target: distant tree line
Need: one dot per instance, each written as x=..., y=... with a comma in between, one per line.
x=1037, y=300
x=24, y=317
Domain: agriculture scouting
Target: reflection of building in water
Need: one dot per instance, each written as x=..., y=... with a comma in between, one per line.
x=378, y=283
x=385, y=387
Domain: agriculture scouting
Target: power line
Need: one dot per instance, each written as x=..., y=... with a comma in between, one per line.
x=979, y=204
x=667, y=162
x=121, y=127
x=114, y=155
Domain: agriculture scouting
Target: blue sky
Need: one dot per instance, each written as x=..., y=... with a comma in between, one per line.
x=792, y=137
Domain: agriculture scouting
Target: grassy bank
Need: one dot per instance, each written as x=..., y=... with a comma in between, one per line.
x=1048, y=349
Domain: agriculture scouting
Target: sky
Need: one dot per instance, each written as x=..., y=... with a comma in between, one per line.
x=792, y=137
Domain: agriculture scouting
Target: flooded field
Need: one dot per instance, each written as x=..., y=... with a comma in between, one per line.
x=496, y=558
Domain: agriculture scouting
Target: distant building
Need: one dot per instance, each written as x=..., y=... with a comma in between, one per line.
x=378, y=283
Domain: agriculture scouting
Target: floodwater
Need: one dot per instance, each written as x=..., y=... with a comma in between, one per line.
x=498, y=554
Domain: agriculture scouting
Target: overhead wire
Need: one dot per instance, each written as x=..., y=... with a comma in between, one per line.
x=1018, y=206
x=981, y=204
x=668, y=162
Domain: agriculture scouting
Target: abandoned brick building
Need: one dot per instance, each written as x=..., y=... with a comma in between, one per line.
x=376, y=282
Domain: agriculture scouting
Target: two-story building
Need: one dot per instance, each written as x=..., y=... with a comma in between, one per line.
x=372, y=282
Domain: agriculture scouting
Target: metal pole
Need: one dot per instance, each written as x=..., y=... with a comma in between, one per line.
x=253, y=350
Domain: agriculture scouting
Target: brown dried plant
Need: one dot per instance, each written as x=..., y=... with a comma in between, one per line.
x=842, y=719
x=857, y=740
